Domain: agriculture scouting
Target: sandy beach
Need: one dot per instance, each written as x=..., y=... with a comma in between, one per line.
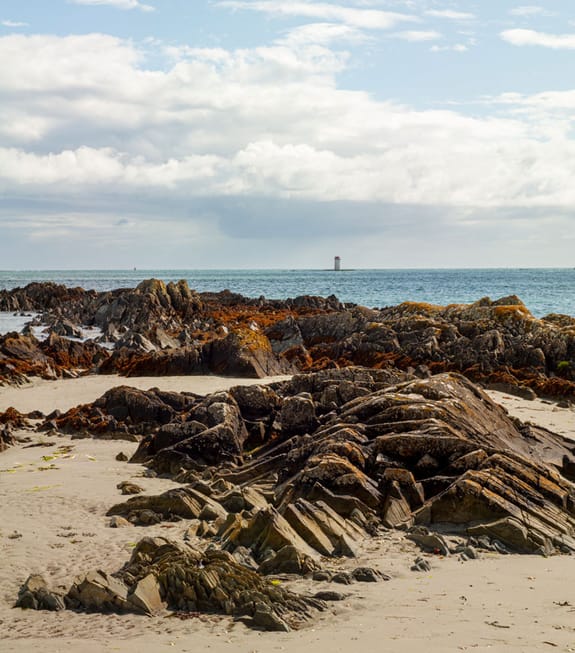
x=54, y=498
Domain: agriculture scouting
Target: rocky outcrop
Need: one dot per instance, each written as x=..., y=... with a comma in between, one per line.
x=401, y=453
x=152, y=303
x=23, y=356
x=280, y=480
x=163, y=574
x=123, y=412
x=318, y=462
x=242, y=353
x=161, y=329
x=11, y=420
x=45, y=296
x=153, y=329
x=496, y=342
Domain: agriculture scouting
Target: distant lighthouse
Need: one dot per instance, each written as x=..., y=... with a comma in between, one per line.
x=337, y=263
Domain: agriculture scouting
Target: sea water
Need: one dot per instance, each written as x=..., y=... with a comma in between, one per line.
x=14, y=321
x=543, y=290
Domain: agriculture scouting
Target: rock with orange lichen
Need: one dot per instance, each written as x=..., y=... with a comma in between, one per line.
x=241, y=353
x=244, y=353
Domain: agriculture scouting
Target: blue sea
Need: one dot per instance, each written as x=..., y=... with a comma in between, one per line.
x=543, y=290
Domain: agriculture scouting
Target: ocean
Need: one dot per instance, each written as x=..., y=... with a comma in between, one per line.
x=543, y=290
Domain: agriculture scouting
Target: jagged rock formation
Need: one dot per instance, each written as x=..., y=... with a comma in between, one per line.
x=318, y=462
x=278, y=480
x=162, y=574
x=152, y=304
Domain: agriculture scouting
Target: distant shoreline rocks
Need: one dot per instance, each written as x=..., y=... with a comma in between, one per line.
x=168, y=329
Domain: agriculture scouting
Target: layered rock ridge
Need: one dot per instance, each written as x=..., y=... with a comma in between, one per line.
x=280, y=479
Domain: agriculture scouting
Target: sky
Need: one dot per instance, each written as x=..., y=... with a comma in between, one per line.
x=280, y=133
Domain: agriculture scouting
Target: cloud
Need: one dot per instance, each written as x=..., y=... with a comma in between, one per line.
x=53, y=64
x=118, y=4
x=450, y=15
x=457, y=47
x=13, y=23
x=266, y=122
x=530, y=10
x=256, y=141
x=522, y=37
x=323, y=34
x=417, y=36
x=355, y=17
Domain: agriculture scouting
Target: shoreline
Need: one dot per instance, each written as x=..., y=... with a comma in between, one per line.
x=537, y=286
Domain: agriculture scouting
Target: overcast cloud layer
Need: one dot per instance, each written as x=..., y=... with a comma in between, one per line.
x=322, y=129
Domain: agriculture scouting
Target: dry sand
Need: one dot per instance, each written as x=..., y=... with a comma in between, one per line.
x=54, y=500
x=539, y=411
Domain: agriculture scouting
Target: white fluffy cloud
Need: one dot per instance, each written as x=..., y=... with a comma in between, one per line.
x=13, y=23
x=355, y=17
x=450, y=14
x=530, y=10
x=457, y=47
x=83, y=115
x=118, y=4
x=417, y=36
x=521, y=37
x=324, y=34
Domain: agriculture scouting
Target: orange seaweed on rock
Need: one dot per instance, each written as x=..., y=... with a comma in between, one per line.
x=14, y=418
x=423, y=308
